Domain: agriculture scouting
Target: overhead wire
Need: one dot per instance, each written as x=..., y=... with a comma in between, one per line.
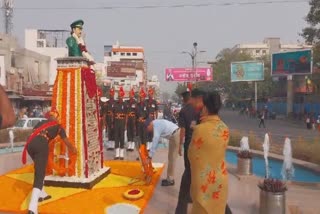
x=209, y=4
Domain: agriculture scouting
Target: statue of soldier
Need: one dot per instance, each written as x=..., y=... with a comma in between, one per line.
x=152, y=108
x=76, y=45
x=131, y=124
x=120, y=122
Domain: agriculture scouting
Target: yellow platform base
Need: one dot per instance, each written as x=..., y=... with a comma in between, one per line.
x=107, y=195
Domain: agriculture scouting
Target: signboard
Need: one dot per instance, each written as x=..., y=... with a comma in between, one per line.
x=247, y=71
x=188, y=74
x=122, y=70
x=291, y=63
x=2, y=72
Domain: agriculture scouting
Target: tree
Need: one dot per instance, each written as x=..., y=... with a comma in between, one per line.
x=311, y=34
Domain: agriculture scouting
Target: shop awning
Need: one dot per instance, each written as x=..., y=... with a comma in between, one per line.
x=14, y=96
x=37, y=98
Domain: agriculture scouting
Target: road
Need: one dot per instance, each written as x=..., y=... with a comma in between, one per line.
x=278, y=129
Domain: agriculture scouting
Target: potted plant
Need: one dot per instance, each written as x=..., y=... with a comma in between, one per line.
x=272, y=196
x=244, y=164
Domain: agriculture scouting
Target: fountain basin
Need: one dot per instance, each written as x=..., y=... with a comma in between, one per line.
x=303, y=174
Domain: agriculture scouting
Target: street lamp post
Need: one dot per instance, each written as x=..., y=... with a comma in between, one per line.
x=193, y=54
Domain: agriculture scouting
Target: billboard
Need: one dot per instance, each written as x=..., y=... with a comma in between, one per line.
x=291, y=63
x=2, y=72
x=122, y=70
x=188, y=74
x=247, y=71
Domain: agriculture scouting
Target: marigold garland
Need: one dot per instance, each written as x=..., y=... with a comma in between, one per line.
x=79, y=123
x=85, y=146
x=72, y=122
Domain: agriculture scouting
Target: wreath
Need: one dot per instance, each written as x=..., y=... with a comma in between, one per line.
x=54, y=163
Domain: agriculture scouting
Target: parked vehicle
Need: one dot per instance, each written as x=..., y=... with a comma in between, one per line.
x=28, y=123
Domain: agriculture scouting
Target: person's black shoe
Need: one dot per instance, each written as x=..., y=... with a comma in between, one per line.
x=166, y=182
x=45, y=198
x=137, y=158
x=30, y=212
x=116, y=158
x=121, y=158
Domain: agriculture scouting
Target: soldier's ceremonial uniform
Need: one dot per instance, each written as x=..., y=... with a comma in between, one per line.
x=152, y=108
x=109, y=119
x=141, y=114
x=120, y=119
x=131, y=123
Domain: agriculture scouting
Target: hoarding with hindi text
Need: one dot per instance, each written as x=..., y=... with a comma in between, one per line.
x=122, y=69
x=247, y=71
x=188, y=74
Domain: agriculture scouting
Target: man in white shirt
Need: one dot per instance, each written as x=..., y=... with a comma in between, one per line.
x=165, y=129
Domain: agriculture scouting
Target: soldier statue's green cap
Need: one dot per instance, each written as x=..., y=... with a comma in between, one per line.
x=79, y=23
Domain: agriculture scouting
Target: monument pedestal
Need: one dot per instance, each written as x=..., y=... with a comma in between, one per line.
x=75, y=98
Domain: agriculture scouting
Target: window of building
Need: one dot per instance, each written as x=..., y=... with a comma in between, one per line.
x=114, y=53
x=257, y=51
x=40, y=44
x=123, y=54
x=134, y=54
x=264, y=51
x=128, y=54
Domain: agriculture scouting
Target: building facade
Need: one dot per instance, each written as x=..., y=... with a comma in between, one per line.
x=125, y=66
x=23, y=73
x=269, y=46
x=51, y=43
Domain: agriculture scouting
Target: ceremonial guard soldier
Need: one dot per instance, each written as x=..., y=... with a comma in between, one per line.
x=131, y=123
x=120, y=121
x=108, y=115
x=152, y=108
x=141, y=114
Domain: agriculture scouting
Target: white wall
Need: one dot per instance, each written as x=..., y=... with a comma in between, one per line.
x=2, y=72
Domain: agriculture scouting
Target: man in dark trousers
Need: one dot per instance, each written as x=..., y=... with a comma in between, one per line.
x=152, y=107
x=108, y=115
x=120, y=122
x=7, y=117
x=187, y=119
x=141, y=115
x=37, y=147
x=131, y=124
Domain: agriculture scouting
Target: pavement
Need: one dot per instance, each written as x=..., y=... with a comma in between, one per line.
x=279, y=128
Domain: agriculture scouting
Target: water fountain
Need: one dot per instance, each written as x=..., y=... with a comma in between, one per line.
x=287, y=167
x=244, y=144
x=272, y=191
x=266, y=147
x=11, y=138
x=244, y=164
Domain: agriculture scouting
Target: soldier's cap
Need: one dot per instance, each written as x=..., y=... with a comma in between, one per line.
x=52, y=113
x=79, y=24
x=197, y=93
x=185, y=93
x=147, y=122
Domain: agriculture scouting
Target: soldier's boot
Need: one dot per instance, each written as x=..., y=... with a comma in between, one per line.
x=117, y=154
x=129, y=146
x=132, y=146
x=109, y=145
x=33, y=204
x=43, y=195
x=121, y=154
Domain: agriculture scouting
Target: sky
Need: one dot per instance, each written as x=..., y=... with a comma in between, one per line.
x=165, y=32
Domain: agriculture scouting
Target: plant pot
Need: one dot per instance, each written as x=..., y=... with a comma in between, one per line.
x=271, y=203
x=244, y=166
